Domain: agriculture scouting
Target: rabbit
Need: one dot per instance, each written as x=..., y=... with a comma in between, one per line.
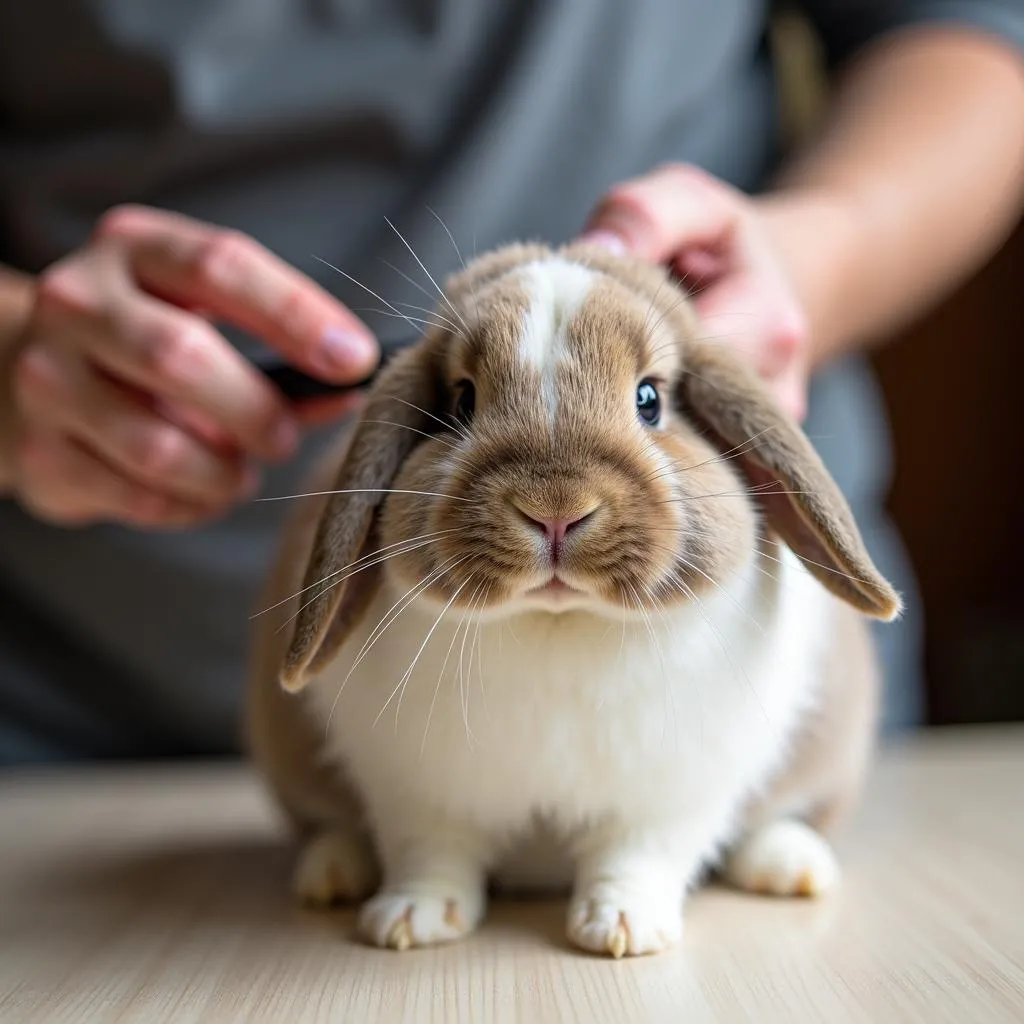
x=574, y=606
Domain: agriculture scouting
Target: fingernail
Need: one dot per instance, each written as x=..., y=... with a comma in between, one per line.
x=605, y=240
x=346, y=351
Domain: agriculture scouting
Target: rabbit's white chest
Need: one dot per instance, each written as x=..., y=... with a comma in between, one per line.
x=574, y=718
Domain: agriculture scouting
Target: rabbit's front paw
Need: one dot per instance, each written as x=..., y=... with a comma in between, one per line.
x=628, y=926
x=783, y=858
x=335, y=867
x=396, y=920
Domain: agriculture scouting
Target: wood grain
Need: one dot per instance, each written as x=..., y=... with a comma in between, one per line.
x=161, y=894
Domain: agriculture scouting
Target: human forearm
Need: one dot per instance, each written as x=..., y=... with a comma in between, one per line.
x=16, y=291
x=916, y=179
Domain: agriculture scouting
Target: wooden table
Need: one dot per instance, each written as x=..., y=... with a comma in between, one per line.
x=161, y=895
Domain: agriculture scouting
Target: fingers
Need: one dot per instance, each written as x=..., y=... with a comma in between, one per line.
x=132, y=406
x=791, y=391
x=711, y=237
x=58, y=393
x=237, y=280
x=316, y=412
x=66, y=485
x=183, y=359
x=91, y=305
x=672, y=208
x=755, y=313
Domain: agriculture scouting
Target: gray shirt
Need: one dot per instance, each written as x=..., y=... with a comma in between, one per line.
x=305, y=124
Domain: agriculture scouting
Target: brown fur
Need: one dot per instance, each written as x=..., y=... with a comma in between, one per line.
x=346, y=526
x=801, y=501
x=822, y=776
x=635, y=324
x=280, y=735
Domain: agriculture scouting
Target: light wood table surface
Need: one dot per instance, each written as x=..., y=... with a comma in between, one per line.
x=162, y=895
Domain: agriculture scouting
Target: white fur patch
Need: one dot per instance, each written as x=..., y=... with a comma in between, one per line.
x=783, y=858
x=556, y=289
x=334, y=866
x=660, y=733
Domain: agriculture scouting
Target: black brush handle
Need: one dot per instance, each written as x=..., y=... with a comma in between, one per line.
x=298, y=386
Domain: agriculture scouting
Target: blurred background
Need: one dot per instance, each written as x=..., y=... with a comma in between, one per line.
x=953, y=386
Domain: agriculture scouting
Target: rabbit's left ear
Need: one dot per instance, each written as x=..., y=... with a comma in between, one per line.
x=395, y=419
x=801, y=501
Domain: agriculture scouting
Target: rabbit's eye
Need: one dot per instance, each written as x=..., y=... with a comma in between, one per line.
x=465, y=401
x=648, y=402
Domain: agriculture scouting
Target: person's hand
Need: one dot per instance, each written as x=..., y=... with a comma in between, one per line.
x=719, y=242
x=127, y=405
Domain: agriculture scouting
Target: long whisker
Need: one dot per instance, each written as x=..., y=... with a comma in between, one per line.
x=401, y=604
x=820, y=565
x=413, y=320
x=618, y=659
x=370, y=559
x=369, y=291
x=337, y=582
x=660, y=607
x=733, y=452
x=759, y=489
x=463, y=689
x=432, y=319
x=432, y=312
x=444, y=666
x=451, y=237
x=454, y=424
x=404, y=681
x=650, y=307
x=419, y=287
x=694, y=529
x=669, y=310
x=362, y=490
x=415, y=430
x=654, y=640
x=385, y=622
x=672, y=342
x=770, y=487
x=478, y=644
x=440, y=290
x=718, y=586
x=686, y=277
x=511, y=629
x=458, y=252
x=416, y=284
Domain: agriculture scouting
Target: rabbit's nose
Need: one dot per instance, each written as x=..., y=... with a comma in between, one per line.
x=555, y=530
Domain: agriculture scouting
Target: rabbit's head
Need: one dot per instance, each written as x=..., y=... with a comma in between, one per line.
x=570, y=445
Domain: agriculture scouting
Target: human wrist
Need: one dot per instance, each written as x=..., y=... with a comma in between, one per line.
x=17, y=292
x=818, y=238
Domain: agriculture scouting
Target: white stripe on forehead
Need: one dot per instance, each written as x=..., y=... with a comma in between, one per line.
x=555, y=290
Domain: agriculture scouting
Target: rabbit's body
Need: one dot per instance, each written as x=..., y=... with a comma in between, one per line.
x=618, y=727
x=549, y=714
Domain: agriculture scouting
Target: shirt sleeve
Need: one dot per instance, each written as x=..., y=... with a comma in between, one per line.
x=845, y=26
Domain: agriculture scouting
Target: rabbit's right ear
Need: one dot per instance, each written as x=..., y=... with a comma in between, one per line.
x=790, y=483
x=397, y=416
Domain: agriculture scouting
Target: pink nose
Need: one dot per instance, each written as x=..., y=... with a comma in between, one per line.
x=555, y=530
